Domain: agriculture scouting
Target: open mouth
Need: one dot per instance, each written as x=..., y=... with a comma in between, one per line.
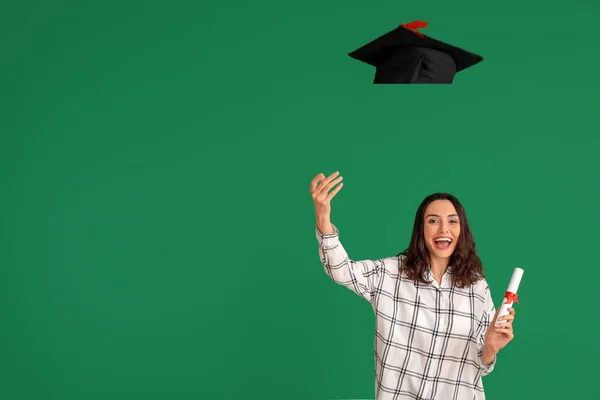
x=442, y=243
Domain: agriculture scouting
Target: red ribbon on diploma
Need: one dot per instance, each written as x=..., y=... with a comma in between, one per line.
x=510, y=296
x=415, y=26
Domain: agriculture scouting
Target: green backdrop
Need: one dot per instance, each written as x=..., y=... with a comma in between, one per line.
x=157, y=228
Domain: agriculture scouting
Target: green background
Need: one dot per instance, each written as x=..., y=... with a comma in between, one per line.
x=157, y=232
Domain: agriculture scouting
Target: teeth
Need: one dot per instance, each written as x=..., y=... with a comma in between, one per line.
x=444, y=239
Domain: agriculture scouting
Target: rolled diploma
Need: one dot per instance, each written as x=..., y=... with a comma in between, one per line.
x=513, y=287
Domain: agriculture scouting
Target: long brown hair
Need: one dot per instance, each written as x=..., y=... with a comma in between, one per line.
x=467, y=267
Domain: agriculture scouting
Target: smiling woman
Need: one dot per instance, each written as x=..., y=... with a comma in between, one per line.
x=437, y=334
x=441, y=238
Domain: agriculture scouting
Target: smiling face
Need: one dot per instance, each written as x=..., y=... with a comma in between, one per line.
x=441, y=229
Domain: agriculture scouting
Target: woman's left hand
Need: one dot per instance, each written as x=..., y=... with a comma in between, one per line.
x=498, y=335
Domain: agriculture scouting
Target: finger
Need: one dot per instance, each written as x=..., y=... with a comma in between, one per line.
x=323, y=184
x=504, y=318
x=505, y=331
x=323, y=193
x=334, y=192
x=511, y=311
x=330, y=178
x=331, y=184
x=508, y=334
x=315, y=181
x=502, y=329
x=507, y=319
x=504, y=326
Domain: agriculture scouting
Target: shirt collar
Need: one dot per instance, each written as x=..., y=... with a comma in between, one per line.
x=444, y=277
x=448, y=270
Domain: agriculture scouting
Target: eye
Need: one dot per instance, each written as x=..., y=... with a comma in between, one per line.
x=454, y=221
x=431, y=221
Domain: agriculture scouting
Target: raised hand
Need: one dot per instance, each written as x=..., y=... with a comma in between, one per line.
x=322, y=193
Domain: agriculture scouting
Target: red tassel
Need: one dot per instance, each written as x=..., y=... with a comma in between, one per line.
x=415, y=26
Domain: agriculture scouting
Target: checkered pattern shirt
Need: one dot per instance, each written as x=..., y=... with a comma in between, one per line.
x=429, y=337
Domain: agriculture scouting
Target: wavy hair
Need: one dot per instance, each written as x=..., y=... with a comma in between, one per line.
x=467, y=267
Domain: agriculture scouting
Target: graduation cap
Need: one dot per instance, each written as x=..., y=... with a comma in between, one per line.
x=405, y=55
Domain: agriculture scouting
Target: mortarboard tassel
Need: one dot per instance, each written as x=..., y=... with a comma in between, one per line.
x=415, y=26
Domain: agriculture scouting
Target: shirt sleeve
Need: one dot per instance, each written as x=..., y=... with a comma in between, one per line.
x=488, y=315
x=362, y=277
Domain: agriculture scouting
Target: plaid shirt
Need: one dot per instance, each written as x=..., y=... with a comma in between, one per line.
x=429, y=338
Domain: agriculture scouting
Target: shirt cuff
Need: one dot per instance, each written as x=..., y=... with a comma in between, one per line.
x=486, y=368
x=330, y=239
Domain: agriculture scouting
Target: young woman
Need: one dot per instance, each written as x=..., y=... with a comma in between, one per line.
x=436, y=331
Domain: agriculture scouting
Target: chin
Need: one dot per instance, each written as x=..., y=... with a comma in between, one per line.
x=445, y=255
x=441, y=253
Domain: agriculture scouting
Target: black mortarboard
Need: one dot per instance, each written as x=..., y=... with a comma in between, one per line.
x=405, y=55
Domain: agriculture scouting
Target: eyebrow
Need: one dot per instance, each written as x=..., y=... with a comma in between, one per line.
x=436, y=215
